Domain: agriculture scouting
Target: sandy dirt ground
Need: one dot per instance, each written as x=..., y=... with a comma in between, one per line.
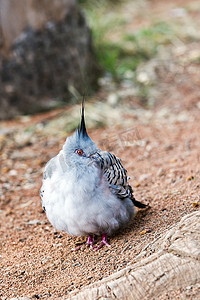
x=161, y=154
x=162, y=160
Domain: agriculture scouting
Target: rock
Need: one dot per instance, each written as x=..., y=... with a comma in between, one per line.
x=198, y=105
x=20, y=298
x=113, y=99
x=144, y=177
x=143, y=77
x=13, y=172
x=45, y=52
x=179, y=12
x=174, y=265
x=57, y=245
x=160, y=172
x=34, y=222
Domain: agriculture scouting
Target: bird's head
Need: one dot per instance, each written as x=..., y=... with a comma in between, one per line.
x=79, y=149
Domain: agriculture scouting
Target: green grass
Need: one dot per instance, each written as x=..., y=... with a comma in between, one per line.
x=147, y=40
x=117, y=55
x=126, y=55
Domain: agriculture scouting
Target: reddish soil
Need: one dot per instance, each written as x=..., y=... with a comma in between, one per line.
x=163, y=162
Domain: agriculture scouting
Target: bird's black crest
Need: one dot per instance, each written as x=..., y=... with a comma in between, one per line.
x=82, y=129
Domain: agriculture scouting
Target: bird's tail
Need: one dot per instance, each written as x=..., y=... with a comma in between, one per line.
x=139, y=204
x=135, y=202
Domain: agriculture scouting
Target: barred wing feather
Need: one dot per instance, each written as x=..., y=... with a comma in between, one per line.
x=116, y=175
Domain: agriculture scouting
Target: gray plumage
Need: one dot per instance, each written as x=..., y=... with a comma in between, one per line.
x=85, y=190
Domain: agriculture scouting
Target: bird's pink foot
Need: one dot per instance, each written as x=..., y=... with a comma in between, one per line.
x=90, y=243
x=103, y=242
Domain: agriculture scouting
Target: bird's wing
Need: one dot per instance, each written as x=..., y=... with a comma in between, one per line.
x=56, y=164
x=48, y=172
x=116, y=175
x=50, y=168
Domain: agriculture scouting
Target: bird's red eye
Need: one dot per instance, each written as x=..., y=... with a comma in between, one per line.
x=79, y=152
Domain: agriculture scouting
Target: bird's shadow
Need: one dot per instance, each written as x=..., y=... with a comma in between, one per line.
x=136, y=224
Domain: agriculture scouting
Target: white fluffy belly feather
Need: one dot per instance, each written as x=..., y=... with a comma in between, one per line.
x=79, y=208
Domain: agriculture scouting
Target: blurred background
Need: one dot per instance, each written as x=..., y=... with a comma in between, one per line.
x=52, y=52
